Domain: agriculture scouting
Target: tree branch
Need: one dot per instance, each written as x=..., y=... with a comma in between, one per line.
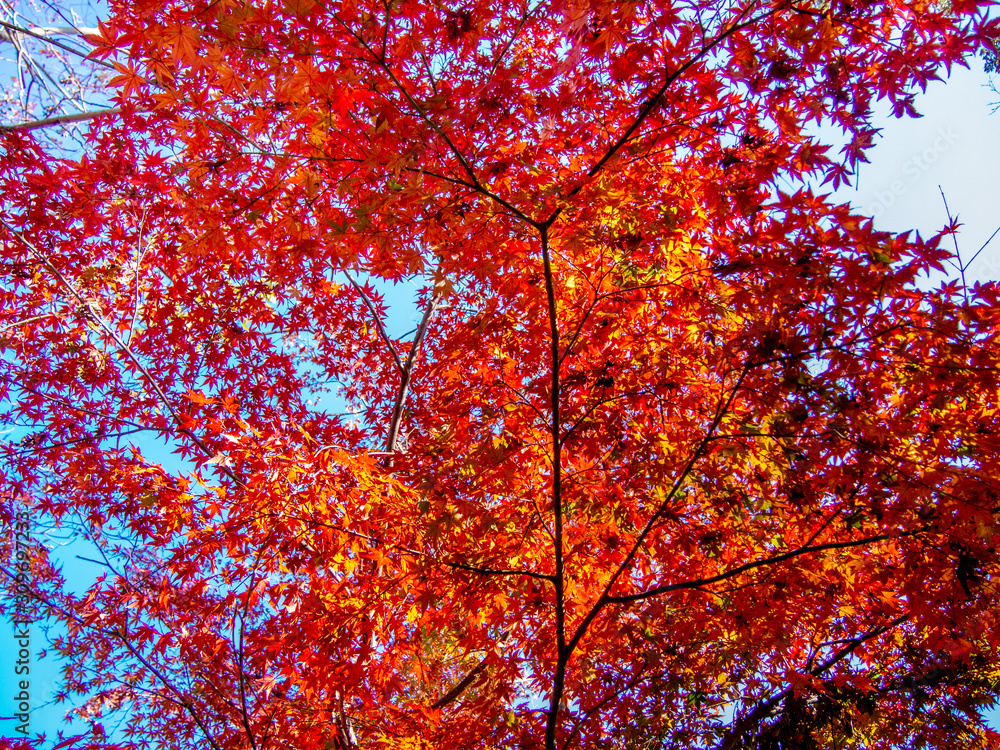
x=603, y=702
x=605, y=597
x=763, y=709
x=474, y=182
x=699, y=583
x=417, y=553
x=452, y=695
x=654, y=100
x=47, y=38
x=378, y=321
x=407, y=371
x=562, y=655
x=59, y=120
x=48, y=31
x=180, y=699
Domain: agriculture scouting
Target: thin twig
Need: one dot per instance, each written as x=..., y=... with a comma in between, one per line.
x=954, y=238
x=995, y=233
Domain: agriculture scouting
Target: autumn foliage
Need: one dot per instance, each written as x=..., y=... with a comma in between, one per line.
x=678, y=453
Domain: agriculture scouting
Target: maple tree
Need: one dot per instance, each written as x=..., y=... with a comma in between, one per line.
x=680, y=452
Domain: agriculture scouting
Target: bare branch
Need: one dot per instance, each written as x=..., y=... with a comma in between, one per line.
x=407, y=370
x=14, y=29
x=47, y=31
x=59, y=120
x=378, y=321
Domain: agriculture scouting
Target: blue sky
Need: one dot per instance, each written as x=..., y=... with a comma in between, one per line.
x=955, y=145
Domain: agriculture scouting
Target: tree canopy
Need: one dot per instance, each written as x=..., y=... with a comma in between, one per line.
x=679, y=453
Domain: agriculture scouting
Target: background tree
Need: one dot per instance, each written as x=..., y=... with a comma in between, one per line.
x=679, y=453
x=52, y=84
